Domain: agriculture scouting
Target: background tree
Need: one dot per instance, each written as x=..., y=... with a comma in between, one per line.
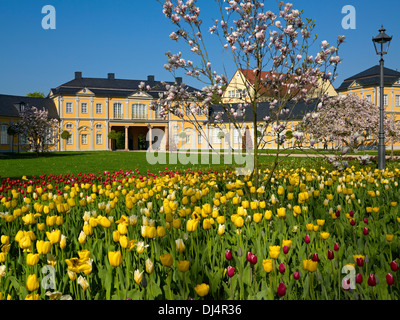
x=39, y=131
x=351, y=121
x=65, y=135
x=256, y=39
x=36, y=94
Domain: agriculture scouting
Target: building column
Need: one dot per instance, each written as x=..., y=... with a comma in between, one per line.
x=166, y=132
x=109, y=142
x=77, y=137
x=126, y=138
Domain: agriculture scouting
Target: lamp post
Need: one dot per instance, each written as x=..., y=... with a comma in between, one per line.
x=381, y=43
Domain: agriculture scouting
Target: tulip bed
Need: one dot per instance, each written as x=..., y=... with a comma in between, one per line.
x=307, y=234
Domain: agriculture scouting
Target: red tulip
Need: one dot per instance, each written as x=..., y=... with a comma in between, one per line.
x=230, y=271
x=371, y=280
x=253, y=259
x=360, y=262
x=351, y=213
x=336, y=247
x=331, y=255
x=365, y=231
x=281, y=289
x=366, y=220
x=296, y=275
x=228, y=255
x=307, y=239
x=282, y=268
x=352, y=222
x=285, y=249
x=394, y=266
x=248, y=256
x=337, y=213
x=359, y=278
x=389, y=279
x=315, y=257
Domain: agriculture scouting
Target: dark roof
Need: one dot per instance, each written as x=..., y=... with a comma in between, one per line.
x=296, y=111
x=8, y=105
x=112, y=87
x=371, y=77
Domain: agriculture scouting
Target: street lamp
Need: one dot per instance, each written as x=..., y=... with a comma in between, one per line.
x=381, y=43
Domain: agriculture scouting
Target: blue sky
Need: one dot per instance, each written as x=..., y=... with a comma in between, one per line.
x=129, y=38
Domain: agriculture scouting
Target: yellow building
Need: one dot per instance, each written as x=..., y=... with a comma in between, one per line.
x=366, y=84
x=90, y=108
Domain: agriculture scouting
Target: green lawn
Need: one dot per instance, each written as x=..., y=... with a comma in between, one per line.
x=27, y=164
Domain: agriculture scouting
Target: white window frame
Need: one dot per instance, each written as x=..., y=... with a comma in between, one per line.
x=84, y=139
x=139, y=110
x=99, y=138
x=369, y=97
x=397, y=100
x=69, y=107
x=99, y=108
x=3, y=134
x=70, y=140
x=385, y=100
x=84, y=107
x=99, y=126
x=120, y=113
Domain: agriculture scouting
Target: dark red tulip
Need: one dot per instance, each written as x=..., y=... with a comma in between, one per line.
x=359, y=278
x=285, y=249
x=365, y=220
x=336, y=247
x=230, y=271
x=315, y=257
x=352, y=222
x=282, y=268
x=337, y=213
x=228, y=255
x=281, y=289
x=307, y=239
x=351, y=213
x=360, y=262
x=394, y=266
x=253, y=259
x=371, y=280
x=331, y=255
x=248, y=256
x=365, y=231
x=296, y=275
x=389, y=279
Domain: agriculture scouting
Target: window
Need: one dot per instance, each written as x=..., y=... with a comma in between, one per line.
x=68, y=107
x=99, y=108
x=187, y=111
x=99, y=138
x=397, y=100
x=84, y=108
x=139, y=111
x=69, y=126
x=117, y=110
x=84, y=138
x=70, y=139
x=368, y=97
x=199, y=139
x=157, y=112
x=385, y=100
x=3, y=134
x=99, y=126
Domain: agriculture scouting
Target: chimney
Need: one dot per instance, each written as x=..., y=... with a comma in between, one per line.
x=178, y=80
x=78, y=75
x=111, y=76
x=150, y=78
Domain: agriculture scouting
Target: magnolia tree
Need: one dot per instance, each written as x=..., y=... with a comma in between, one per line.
x=273, y=45
x=352, y=123
x=39, y=132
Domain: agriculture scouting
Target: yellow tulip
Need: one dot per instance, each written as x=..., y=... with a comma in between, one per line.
x=32, y=259
x=274, y=251
x=281, y=213
x=257, y=217
x=160, y=231
x=166, y=260
x=115, y=258
x=268, y=215
x=138, y=276
x=267, y=265
x=310, y=265
x=32, y=283
x=324, y=235
x=43, y=247
x=180, y=246
x=202, y=289
x=149, y=266
x=389, y=237
x=83, y=283
x=287, y=243
x=183, y=266
x=191, y=225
